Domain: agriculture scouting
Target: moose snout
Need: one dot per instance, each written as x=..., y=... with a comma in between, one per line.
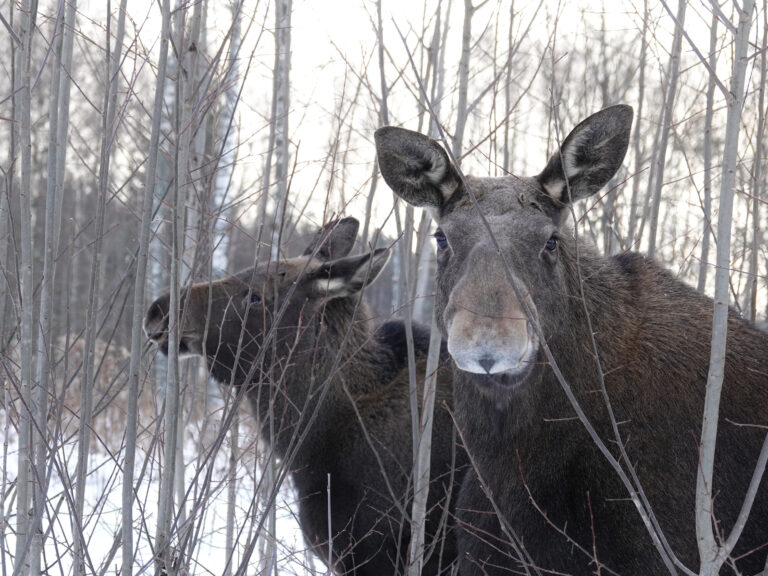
x=156, y=321
x=487, y=345
x=487, y=327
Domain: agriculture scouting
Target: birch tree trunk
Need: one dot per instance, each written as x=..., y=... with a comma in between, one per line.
x=62, y=137
x=108, y=127
x=234, y=457
x=508, y=148
x=401, y=300
x=138, y=294
x=757, y=180
x=404, y=305
x=384, y=121
x=282, y=108
x=8, y=200
x=57, y=143
x=461, y=118
x=279, y=145
x=8, y=323
x=636, y=148
x=423, y=424
x=666, y=122
x=424, y=451
x=227, y=132
x=193, y=206
x=22, y=98
x=707, y=232
x=185, y=94
x=424, y=271
x=713, y=555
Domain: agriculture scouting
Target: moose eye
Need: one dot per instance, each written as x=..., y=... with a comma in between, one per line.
x=551, y=244
x=255, y=298
x=442, y=241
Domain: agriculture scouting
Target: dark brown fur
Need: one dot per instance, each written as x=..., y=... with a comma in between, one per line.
x=324, y=343
x=652, y=334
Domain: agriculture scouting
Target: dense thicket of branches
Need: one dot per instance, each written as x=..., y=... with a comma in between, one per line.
x=164, y=143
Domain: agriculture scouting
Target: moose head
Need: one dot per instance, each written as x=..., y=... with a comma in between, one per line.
x=497, y=273
x=228, y=321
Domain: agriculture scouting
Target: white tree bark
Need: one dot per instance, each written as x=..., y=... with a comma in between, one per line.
x=108, y=127
x=383, y=103
x=62, y=137
x=227, y=133
x=713, y=555
x=508, y=144
x=22, y=98
x=185, y=95
x=282, y=108
x=422, y=423
x=404, y=306
x=384, y=121
x=234, y=457
x=636, y=148
x=753, y=286
x=461, y=118
x=666, y=123
x=423, y=452
x=58, y=105
x=709, y=114
x=138, y=294
x=192, y=130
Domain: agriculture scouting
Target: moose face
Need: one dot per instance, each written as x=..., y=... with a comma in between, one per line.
x=489, y=325
x=228, y=320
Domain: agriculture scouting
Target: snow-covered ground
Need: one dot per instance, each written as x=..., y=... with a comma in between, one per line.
x=205, y=511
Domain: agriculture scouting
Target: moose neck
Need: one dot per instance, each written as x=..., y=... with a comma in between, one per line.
x=310, y=382
x=600, y=299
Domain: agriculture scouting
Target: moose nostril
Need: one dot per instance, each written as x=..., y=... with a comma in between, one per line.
x=487, y=362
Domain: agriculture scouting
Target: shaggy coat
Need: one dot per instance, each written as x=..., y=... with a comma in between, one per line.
x=620, y=321
x=326, y=378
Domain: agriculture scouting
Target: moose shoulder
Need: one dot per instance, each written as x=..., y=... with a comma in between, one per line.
x=626, y=335
x=297, y=333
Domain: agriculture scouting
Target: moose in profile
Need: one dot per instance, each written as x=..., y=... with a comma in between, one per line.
x=627, y=337
x=297, y=333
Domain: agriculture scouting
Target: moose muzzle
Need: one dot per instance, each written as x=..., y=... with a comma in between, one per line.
x=488, y=330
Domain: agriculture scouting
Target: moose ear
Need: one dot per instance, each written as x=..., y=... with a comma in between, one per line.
x=334, y=240
x=589, y=156
x=415, y=167
x=347, y=276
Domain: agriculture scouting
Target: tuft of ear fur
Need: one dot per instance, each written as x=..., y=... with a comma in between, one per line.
x=415, y=167
x=347, y=276
x=335, y=239
x=589, y=156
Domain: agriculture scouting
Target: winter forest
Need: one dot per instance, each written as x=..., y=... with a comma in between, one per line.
x=149, y=146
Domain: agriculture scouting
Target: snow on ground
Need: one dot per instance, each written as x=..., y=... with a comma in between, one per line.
x=104, y=515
